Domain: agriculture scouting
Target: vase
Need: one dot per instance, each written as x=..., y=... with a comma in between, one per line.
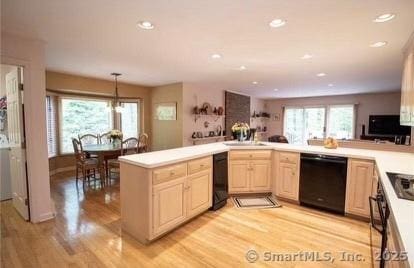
x=240, y=136
x=116, y=142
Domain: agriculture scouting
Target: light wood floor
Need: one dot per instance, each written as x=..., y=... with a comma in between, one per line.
x=86, y=233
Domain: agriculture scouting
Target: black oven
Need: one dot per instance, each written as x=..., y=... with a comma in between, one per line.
x=379, y=214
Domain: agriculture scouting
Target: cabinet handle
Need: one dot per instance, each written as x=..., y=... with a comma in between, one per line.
x=172, y=173
x=187, y=188
x=202, y=165
x=250, y=155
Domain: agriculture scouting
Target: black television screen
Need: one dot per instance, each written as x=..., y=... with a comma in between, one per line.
x=387, y=125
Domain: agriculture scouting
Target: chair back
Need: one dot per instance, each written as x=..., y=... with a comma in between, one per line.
x=104, y=138
x=143, y=143
x=129, y=146
x=77, y=148
x=88, y=139
x=278, y=138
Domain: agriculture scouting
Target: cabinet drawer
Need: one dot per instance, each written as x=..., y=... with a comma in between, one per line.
x=198, y=165
x=251, y=154
x=168, y=173
x=292, y=158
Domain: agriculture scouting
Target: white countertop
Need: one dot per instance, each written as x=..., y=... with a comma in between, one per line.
x=402, y=210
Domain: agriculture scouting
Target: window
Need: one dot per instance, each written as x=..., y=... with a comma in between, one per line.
x=341, y=122
x=51, y=126
x=81, y=116
x=130, y=117
x=303, y=123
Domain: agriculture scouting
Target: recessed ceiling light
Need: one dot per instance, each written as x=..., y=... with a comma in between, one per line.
x=146, y=25
x=255, y=82
x=307, y=56
x=277, y=23
x=378, y=44
x=330, y=85
x=384, y=17
x=321, y=74
x=216, y=56
x=275, y=89
x=242, y=67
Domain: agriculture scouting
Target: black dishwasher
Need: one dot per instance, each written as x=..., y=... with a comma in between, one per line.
x=220, y=181
x=323, y=181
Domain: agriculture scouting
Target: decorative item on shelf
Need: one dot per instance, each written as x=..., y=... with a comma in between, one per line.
x=211, y=134
x=220, y=110
x=116, y=136
x=206, y=124
x=3, y=103
x=254, y=114
x=199, y=135
x=265, y=115
x=206, y=109
x=215, y=111
x=194, y=136
x=276, y=117
x=218, y=130
x=330, y=143
x=264, y=128
x=240, y=130
x=196, y=110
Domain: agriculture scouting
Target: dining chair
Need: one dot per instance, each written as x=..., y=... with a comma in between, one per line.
x=104, y=138
x=128, y=146
x=87, y=166
x=88, y=139
x=143, y=143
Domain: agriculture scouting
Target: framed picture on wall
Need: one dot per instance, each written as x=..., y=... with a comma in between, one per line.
x=276, y=117
x=165, y=111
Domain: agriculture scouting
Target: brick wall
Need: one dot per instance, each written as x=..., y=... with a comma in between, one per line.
x=237, y=110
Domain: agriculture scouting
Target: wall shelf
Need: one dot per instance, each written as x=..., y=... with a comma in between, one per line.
x=215, y=117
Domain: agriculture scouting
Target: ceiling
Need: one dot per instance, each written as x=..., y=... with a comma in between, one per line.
x=97, y=37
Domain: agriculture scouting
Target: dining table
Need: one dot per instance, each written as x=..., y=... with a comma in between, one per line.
x=103, y=152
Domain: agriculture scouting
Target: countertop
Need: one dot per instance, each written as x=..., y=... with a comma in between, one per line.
x=402, y=210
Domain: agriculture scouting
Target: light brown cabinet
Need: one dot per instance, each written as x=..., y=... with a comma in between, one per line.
x=250, y=171
x=169, y=205
x=288, y=181
x=199, y=192
x=155, y=201
x=359, y=187
x=286, y=175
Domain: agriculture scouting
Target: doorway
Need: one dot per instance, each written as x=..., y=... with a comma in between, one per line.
x=12, y=140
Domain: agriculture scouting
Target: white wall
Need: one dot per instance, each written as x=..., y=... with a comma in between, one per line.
x=30, y=54
x=381, y=103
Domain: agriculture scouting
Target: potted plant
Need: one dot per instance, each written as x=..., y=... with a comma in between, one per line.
x=116, y=136
x=240, y=130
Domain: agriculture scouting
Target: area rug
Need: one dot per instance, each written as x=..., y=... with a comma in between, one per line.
x=255, y=202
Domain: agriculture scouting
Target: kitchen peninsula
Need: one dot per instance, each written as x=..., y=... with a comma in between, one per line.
x=161, y=190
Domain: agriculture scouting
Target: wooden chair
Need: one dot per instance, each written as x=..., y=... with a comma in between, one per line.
x=104, y=138
x=143, y=143
x=128, y=146
x=87, y=166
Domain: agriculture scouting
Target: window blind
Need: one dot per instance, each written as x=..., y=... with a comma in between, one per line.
x=51, y=126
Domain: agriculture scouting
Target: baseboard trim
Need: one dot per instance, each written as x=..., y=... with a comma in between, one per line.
x=44, y=217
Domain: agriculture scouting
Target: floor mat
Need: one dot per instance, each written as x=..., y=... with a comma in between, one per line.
x=255, y=202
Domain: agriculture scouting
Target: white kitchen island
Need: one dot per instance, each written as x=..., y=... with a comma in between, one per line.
x=161, y=190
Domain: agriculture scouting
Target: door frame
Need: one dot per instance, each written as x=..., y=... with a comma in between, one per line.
x=26, y=82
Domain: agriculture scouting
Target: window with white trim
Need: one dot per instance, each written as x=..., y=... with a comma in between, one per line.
x=83, y=116
x=303, y=123
x=130, y=119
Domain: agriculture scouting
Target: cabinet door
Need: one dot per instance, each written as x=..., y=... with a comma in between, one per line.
x=288, y=181
x=359, y=187
x=169, y=205
x=239, y=176
x=260, y=178
x=200, y=192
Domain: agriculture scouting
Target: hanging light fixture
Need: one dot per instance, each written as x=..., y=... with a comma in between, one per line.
x=117, y=106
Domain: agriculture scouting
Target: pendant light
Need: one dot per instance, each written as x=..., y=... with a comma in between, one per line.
x=117, y=107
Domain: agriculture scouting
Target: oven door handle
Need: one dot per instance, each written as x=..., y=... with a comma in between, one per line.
x=371, y=211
